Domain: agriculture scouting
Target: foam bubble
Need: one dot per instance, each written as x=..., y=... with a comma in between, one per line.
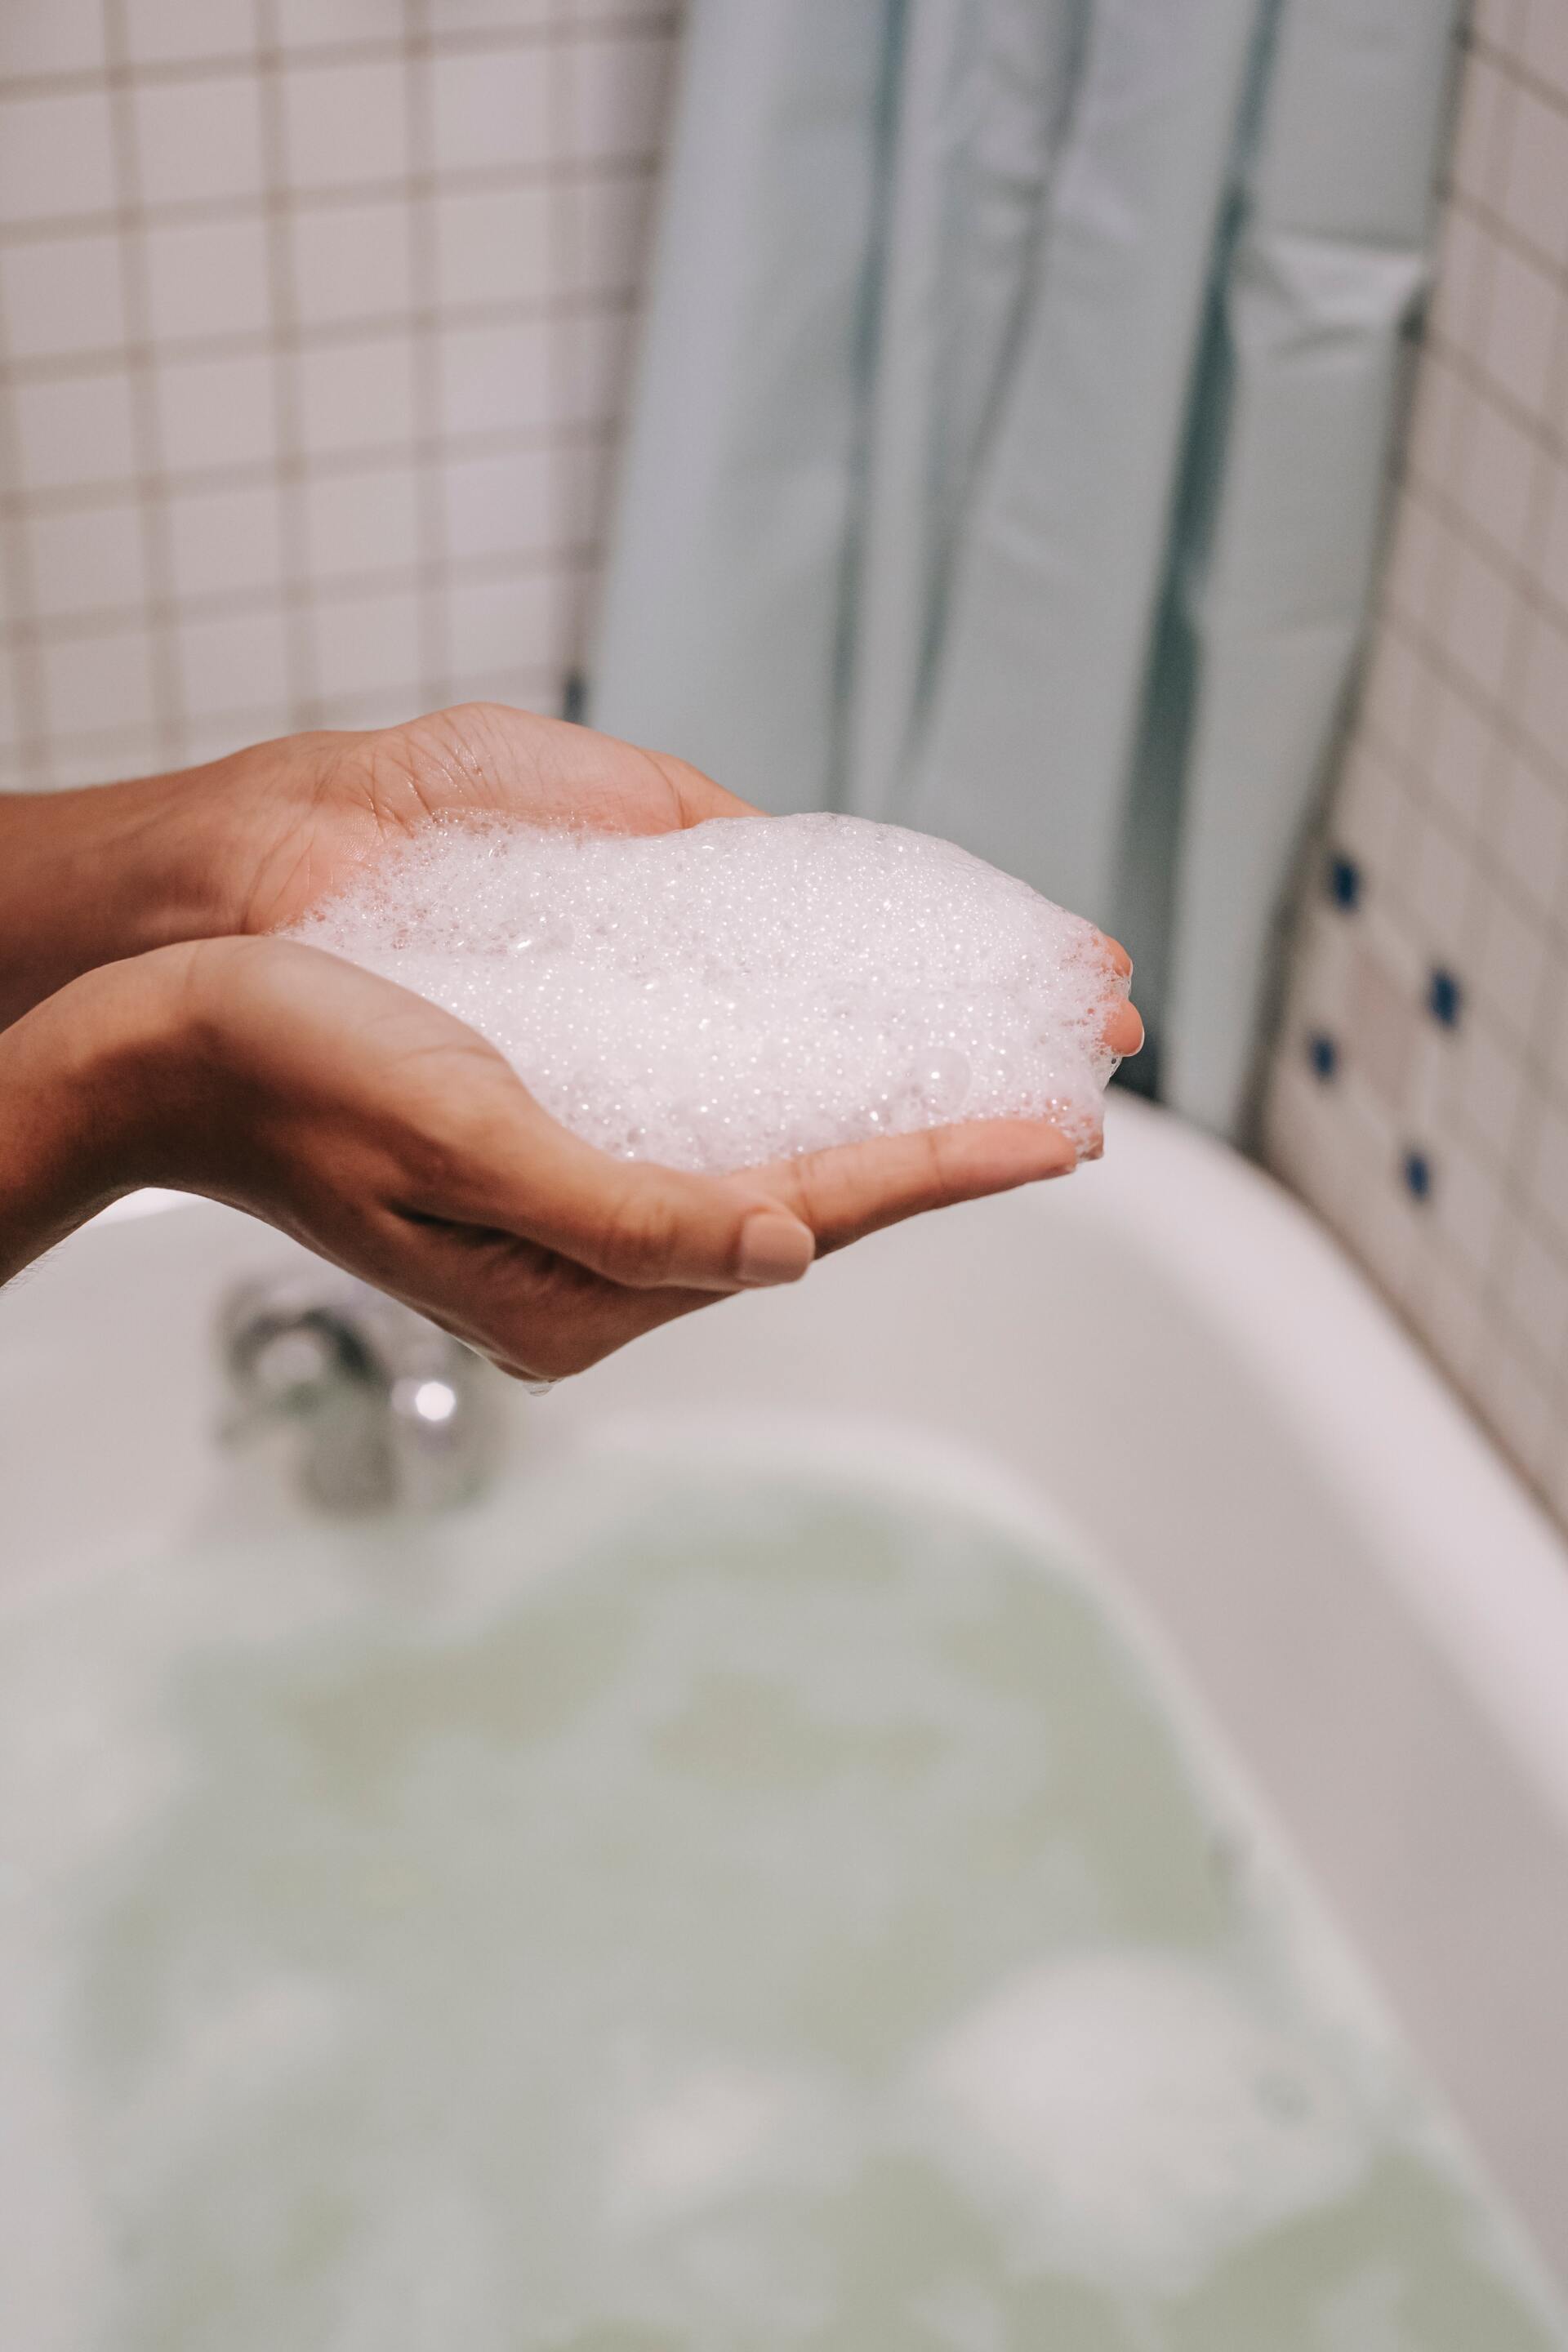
x=746, y=990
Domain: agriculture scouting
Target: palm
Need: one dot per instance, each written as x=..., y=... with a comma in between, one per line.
x=346, y=795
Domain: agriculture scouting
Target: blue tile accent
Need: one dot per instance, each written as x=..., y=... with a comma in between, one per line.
x=1417, y=1174
x=1323, y=1054
x=1343, y=879
x=1445, y=998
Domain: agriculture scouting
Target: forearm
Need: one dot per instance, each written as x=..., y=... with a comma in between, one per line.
x=80, y=1080
x=92, y=876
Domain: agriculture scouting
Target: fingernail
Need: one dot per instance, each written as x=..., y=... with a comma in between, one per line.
x=774, y=1248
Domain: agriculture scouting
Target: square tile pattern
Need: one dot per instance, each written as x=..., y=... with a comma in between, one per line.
x=315, y=324
x=1419, y=1092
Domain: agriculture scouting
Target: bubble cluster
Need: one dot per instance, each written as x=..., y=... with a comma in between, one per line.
x=749, y=988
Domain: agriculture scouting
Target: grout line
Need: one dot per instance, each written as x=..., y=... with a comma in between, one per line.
x=289, y=471
x=342, y=334
x=157, y=547
x=501, y=40
x=453, y=179
x=429, y=474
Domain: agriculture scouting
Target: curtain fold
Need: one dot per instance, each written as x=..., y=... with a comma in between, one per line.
x=1006, y=446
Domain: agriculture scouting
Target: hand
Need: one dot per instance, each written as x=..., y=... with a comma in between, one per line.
x=248, y=843
x=390, y=1138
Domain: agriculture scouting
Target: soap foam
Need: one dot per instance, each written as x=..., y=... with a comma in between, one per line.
x=749, y=988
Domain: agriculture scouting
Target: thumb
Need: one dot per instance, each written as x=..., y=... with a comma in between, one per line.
x=648, y=1227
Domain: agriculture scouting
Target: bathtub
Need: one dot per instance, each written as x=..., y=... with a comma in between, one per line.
x=1171, y=1357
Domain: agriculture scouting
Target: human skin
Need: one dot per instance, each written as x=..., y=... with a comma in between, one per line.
x=159, y=1035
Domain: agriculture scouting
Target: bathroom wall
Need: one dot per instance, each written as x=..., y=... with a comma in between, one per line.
x=314, y=317
x=1420, y=1095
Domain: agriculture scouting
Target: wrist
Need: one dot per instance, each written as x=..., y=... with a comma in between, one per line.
x=113, y=871
x=86, y=1079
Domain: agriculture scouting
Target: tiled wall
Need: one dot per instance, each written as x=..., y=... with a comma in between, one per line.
x=1421, y=1095
x=312, y=327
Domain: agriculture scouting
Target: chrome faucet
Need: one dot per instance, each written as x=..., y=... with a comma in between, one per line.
x=391, y=1412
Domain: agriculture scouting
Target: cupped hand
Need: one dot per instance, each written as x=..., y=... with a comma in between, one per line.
x=390, y=1138
x=315, y=806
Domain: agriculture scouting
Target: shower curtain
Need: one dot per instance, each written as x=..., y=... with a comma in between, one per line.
x=1008, y=439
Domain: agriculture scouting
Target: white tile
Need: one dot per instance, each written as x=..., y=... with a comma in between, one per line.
x=104, y=757
x=1534, y=831
x=207, y=278
x=234, y=663
x=10, y=725
x=498, y=379
x=1547, y=1168
x=1491, y=1084
x=1483, y=608
x=215, y=411
x=490, y=15
x=1499, y=22
x=1459, y=298
x=1462, y=755
x=1535, y=183
x=62, y=297
x=369, y=645
x=363, y=522
x=1371, y=810
x=1450, y=1316
x=1501, y=477
x=520, y=689
x=582, y=493
x=88, y=559
x=197, y=140
x=56, y=157
x=495, y=244
x=1418, y=560
x=1480, y=156
x=169, y=32
x=1544, y=698
x=1520, y=338
x=500, y=625
x=345, y=125
x=600, y=348
x=40, y=37
x=357, y=395
x=327, y=24
x=1554, y=557
x=1396, y=685
x=1467, y=1204
x=619, y=90
x=1544, y=42
x=1508, y=963
x=1535, y=1296
x=77, y=430
x=614, y=222
x=351, y=261
x=382, y=705
x=491, y=110
x=1440, y=891
x=502, y=506
x=202, y=740
x=99, y=681
x=222, y=540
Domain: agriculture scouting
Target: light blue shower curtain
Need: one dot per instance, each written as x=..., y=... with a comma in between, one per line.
x=1006, y=450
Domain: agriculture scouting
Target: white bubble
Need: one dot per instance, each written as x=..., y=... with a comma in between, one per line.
x=748, y=990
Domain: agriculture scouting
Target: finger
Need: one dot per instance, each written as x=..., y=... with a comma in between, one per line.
x=1123, y=1030
x=534, y=1314
x=858, y=1188
x=633, y=1222
x=697, y=796
x=1121, y=962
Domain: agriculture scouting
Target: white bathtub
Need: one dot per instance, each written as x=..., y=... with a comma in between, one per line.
x=1169, y=1351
